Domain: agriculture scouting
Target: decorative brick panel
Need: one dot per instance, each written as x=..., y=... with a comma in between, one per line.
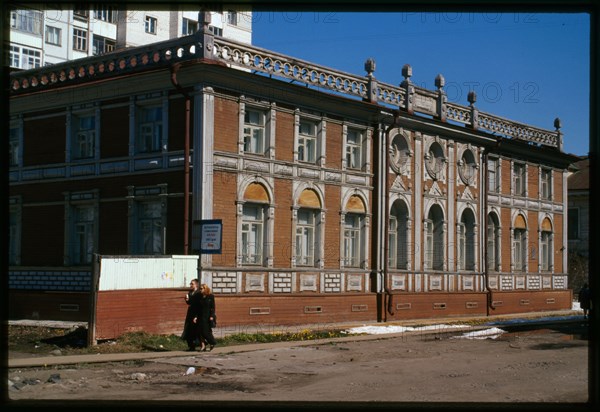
x=282, y=283
x=224, y=282
x=533, y=282
x=332, y=282
x=54, y=280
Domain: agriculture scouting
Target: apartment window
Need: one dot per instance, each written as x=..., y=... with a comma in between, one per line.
x=254, y=131
x=354, y=149
x=81, y=14
x=573, y=224
x=466, y=241
x=101, y=45
x=105, y=13
x=217, y=31
x=150, y=227
x=546, y=184
x=26, y=20
x=307, y=142
x=253, y=226
x=24, y=58
x=398, y=236
x=519, y=182
x=82, y=247
x=353, y=224
x=53, y=35
x=493, y=243
x=189, y=27
x=80, y=39
x=13, y=147
x=150, y=24
x=434, y=239
x=232, y=17
x=150, y=129
x=84, y=137
x=305, y=237
x=493, y=175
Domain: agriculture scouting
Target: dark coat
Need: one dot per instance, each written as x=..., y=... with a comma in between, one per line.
x=194, y=310
x=584, y=298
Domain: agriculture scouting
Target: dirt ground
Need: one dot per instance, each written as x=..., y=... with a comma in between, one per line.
x=544, y=365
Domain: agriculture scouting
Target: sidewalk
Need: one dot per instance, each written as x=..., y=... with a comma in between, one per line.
x=121, y=357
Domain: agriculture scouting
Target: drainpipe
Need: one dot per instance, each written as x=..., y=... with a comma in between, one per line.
x=186, y=160
x=484, y=214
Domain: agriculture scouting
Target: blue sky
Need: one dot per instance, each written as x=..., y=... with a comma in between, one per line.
x=528, y=67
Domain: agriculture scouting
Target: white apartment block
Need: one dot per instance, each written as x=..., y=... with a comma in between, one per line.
x=40, y=37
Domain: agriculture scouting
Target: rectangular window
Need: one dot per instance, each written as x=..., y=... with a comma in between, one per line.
x=252, y=234
x=573, y=223
x=428, y=244
x=13, y=237
x=105, y=13
x=461, y=250
x=352, y=240
x=188, y=27
x=254, y=131
x=305, y=237
x=13, y=147
x=53, y=35
x=150, y=228
x=24, y=58
x=494, y=175
x=29, y=21
x=545, y=250
x=83, y=234
x=232, y=17
x=150, y=24
x=393, y=242
x=217, y=31
x=150, y=129
x=80, y=40
x=84, y=137
x=546, y=184
x=81, y=14
x=307, y=142
x=101, y=45
x=519, y=250
x=354, y=149
x=519, y=181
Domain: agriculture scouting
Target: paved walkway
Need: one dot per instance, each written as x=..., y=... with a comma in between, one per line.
x=121, y=357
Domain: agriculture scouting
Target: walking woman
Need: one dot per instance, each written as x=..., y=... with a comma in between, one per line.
x=208, y=316
x=191, y=327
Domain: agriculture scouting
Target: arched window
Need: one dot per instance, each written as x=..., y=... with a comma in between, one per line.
x=493, y=242
x=398, y=236
x=435, y=160
x=354, y=232
x=308, y=218
x=546, y=245
x=254, y=225
x=466, y=241
x=434, y=239
x=520, y=244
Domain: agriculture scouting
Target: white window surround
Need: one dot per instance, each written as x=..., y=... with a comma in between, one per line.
x=303, y=151
x=494, y=175
x=268, y=112
x=546, y=184
x=519, y=179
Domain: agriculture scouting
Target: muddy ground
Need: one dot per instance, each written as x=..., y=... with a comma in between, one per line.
x=544, y=365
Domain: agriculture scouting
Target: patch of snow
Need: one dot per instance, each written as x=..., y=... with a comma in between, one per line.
x=380, y=330
x=491, y=333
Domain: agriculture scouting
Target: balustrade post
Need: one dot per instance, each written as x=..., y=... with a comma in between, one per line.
x=371, y=82
x=442, y=98
x=408, y=88
x=472, y=98
x=206, y=38
x=559, y=135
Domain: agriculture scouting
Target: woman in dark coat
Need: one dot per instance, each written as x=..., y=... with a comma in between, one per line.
x=191, y=329
x=208, y=315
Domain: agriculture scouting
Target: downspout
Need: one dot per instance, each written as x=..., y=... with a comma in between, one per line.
x=388, y=302
x=484, y=214
x=186, y=160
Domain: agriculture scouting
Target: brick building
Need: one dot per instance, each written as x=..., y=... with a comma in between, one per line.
x=341, y=198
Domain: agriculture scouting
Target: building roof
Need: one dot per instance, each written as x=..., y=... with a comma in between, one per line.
x=580, y=179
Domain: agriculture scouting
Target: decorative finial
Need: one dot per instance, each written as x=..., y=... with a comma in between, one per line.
x=557, y=123
x=370, y=66
x=406, y=71
x=440, y=81
x=472, y=97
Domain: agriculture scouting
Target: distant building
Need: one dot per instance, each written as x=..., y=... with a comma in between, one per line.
x=39, y=36
x=342, y=198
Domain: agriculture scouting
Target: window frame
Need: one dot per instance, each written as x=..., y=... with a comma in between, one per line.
x=51, y=33
x=546, y=184
x=89, y=135
x=305, y=149
x=519, y=246
x=256, y=226
x=186, y=24
x=493, y=182
x=80, y=39
x=150, y=24
x=353, y=239
x=519, y=179
x=306, y=238
x=261, y=127
x=149, y=140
